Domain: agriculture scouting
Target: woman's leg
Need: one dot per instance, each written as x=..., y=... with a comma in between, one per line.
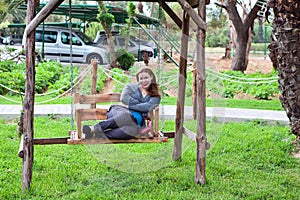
x=124, y=119
x=124, y=132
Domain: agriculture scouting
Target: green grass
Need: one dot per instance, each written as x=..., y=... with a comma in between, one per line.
x=210, y=102
x=248, y=160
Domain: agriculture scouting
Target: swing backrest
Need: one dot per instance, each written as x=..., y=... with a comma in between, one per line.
x=100, y=113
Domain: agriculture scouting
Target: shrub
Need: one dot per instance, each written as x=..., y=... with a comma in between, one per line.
x=125, y=59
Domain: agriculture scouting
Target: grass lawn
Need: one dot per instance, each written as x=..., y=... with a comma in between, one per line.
x=248, y=160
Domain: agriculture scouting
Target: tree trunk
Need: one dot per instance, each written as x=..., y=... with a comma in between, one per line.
x=239, y=60
x=242, y=27
x=285, y=54
x=110, y=41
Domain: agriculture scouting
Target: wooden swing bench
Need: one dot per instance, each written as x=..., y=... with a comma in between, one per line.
x=100, y=113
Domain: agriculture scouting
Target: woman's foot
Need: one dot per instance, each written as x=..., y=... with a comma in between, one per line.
x=98, y=131
x=88, y=131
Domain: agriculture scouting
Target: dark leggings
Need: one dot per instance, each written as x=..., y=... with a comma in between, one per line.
x=119, y=124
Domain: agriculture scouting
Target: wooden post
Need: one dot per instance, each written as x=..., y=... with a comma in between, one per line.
x=177, y=151
x=29, y=101
x=201, y=104
x=194, y=92
x=94, y=80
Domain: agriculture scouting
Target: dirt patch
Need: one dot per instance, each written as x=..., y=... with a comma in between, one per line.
x=256, y=64
x=109, y=86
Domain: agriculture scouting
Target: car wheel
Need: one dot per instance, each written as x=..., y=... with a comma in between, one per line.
x=91, y=57
x=12, y=42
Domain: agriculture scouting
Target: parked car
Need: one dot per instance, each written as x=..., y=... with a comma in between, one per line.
x=13, y=39
x=57, y=45
x=101, y=34
x=143, y=42
x=133, y=47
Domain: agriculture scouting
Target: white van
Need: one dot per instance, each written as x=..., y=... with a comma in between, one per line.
x=56, y=42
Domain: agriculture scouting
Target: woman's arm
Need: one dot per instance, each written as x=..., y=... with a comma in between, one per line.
x=147, y=106
x=127, y=92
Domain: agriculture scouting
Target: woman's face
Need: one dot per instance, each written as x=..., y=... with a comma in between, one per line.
x=145, y=80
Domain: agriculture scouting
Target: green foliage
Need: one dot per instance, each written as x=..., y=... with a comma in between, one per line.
x=6, y=66
x=106, y=19
x=124, y=58
x=217, y=28
x=48, y=75
x=217, y=38
x=92, y=29
x=259, y=47
x=228, y=88
x=119, y=76
x=131, y=9
x=267, y=31
x=100, y=81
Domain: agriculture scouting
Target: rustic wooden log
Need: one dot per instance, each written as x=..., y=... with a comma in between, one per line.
x=42, y=15
x=190, y=11
x=171, y=13
x=94, y=80
x=177, y=151
x=29, y=101
x=44, y=141
x=201, y=96
x=194, y=92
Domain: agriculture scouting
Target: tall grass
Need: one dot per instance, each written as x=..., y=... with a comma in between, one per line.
x=248, y=160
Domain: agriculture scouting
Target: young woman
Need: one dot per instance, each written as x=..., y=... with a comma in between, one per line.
x=126, y=122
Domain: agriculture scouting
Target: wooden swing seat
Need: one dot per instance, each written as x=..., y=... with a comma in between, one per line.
x=100, y=113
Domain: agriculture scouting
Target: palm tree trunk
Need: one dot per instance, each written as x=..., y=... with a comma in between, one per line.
x=285, y=54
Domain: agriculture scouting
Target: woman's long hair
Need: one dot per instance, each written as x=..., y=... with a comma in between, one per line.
x=153, y=90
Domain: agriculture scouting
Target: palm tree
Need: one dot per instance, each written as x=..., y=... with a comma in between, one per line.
x=285, y=54
x=9, y=11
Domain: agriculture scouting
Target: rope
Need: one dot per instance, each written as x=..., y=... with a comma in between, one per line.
x=45, y=94
x=19, y=102
x=241, y=78
x=81, y=76
x=107, y=74
x=71, y=72
x=161, y=75
x=111, y=71
x=244, y=82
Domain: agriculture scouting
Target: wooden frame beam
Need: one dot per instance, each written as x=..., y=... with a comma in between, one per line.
x=177, y=151
x=171, y=13
x=188, y=8
x=201, y=139
x=43, y=14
